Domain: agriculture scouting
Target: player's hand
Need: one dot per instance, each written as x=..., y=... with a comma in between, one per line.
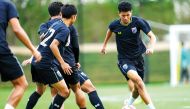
x=66, y=68
x=37, y=56
x=78, y=65
x=103, y=51
x=26, y=62
x=149, y=51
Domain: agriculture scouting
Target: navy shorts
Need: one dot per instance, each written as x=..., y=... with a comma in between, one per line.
x=132, y=64
x=10, y=68
x=83, y=77
x=45, y=76
x=70, y=79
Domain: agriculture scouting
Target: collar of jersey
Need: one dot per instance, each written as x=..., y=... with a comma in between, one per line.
x=127, y=23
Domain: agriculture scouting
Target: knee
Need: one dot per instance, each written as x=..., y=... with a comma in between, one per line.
x=139, y=83
x=65, y=93
x=24, y=85
x=88, y=89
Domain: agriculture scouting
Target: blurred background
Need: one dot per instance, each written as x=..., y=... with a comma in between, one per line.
x=94, y=17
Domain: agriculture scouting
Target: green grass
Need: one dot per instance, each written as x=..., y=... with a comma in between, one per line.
x=164, y=97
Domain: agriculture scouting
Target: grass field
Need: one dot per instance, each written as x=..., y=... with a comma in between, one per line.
x=164, y=97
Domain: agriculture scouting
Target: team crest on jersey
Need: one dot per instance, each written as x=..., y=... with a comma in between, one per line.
x=134, y=30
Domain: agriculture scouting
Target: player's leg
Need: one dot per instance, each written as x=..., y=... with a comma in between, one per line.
x=89, y=88
x=33, y=99
x=63, y=93
x=53, y=91
x=74, y=83
x=11, y=71
x=79, y=95
x=53, y=94
x=131, y=88
x=20, y=84
x=139, y=89
x=130, y=85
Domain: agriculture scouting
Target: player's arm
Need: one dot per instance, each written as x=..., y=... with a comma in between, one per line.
x=54, y=48
x=23, y=37
x=108, y=35
x=27, y=61
x=145, y=27
x=152, y=43
x=75, y=48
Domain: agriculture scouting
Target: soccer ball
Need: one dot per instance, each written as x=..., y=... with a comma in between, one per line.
x=129, y=107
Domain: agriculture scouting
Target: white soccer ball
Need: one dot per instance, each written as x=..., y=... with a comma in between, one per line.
x=129, y=107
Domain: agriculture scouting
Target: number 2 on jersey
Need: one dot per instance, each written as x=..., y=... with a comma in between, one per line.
x=50, y=33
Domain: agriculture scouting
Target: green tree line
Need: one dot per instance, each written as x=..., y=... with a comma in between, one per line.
x=95, y=16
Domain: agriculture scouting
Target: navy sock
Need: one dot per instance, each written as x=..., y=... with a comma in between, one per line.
x=33, y=100
x=95, y=100
x=57, y=102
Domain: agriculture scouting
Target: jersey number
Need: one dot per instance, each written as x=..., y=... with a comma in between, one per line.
x=50, y=33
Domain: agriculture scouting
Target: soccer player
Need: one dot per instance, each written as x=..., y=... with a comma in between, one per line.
x=51, y=47
x=71, y=55
x=130, y=49
x=10, y=69
x=54, y=9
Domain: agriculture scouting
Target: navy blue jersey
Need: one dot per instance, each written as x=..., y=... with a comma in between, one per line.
x=59, y=31
x=71, y=52
x=44, y=26
x=7, y=11
x=128, y=40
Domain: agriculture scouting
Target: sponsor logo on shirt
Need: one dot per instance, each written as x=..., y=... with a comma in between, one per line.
x=119, y=33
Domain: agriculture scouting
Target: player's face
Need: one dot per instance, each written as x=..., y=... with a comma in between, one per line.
x=125, y=16
x=73, y=18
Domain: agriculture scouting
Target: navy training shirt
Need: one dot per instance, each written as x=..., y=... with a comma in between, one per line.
x=59, y=31
x=7, y=12
x=71, y=52
x=128, y=40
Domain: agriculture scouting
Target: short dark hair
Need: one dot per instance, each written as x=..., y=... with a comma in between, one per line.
x=68, y=10
x=54, y=8
x=124, y=6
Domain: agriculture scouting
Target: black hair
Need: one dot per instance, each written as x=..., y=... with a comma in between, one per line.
x=124, y=6
x=54, y=8
x=68, y=10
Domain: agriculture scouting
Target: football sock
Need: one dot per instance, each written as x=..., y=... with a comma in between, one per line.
x=95, y=100
x=51, y=105
x=131, y=100
x=8, y=106
x=57, y=102
x=33, y=100
x=150, y=106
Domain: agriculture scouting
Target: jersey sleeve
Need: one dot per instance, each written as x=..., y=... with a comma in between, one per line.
x=144, y=26
x=12, y=11
x=111, y=26
x=43, y=28
x=62, y=35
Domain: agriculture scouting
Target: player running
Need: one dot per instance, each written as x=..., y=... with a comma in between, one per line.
x=130, y=49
